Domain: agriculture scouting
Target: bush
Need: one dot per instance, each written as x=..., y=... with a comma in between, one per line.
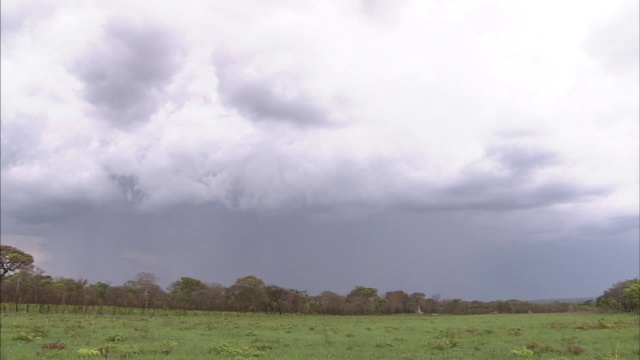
x=54, y=346
x=88, y=352
x=524, y=352
x=115, y=338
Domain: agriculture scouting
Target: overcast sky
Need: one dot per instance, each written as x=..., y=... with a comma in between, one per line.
x=473, y=149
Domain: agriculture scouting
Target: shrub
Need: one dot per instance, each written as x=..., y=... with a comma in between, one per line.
x=165, y=348
x=128, y=351
x=54, y=346
x=575, y=349
x=515, y=332
x=225, y=349
x=540, y=346
x=524, y=352
x=89, y=352
x=383, y=344
x=443, y=343
x=115, y=338
x=22, y=336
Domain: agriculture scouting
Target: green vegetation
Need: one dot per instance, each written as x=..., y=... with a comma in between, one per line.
x=12, y=260
x=622, y=296
x=22, y=283
x=62, y=318
x=224, y=335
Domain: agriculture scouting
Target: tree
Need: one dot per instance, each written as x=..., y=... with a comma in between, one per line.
x=331, y=303
x=622, y=296
x=146, y=290
x=247, y=294
x=12, y=260
x=186, y=289
x=632, y=295
x=276, y=297
x=399, y=302
x=69, y=290
x=101, y=290
x=363, y=297
x=28, y=285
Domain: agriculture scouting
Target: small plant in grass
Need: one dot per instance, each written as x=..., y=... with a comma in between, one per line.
x=30, y=334
x=22, y=336
x=53, y=346
x=115, y=338
x=143, y=329
x=524, y=352
x=88, y=352
x=225, y=349
x=574, y=349
x=443, y=343
x=264, y=347
x=51, y=350
x=515, y=332
x=539, y=346
x=601, y=324
x=572, y=346
x=383, y=344
x=104, y=351
x=127, y=352
x=165, y=348
x=604, y=325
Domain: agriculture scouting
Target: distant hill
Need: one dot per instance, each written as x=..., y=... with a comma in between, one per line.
x=568, y=300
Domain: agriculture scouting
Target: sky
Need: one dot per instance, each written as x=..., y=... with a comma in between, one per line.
x=480, y=150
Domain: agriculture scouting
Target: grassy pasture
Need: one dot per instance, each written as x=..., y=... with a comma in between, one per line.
x=211, y=335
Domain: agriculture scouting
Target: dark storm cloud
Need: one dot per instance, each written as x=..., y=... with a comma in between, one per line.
x=125, y=72
x=46, y=212
x=455, y=254
x=266, y=97
x=610, y=229
x=130, y=187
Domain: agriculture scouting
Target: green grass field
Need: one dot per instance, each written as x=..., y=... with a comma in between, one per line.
x=201, y=335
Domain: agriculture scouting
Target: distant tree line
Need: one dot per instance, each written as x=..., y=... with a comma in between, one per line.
x=26, y=284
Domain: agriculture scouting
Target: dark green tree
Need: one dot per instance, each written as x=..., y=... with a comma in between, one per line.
x=247, y=294
x=362, y=297
x=186, y=289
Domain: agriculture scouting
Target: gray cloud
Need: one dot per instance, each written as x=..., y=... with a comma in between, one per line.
x=130, y=187
x=125, y=72
x=521, y=160
x=266, y=97
x=20, y=139
x=508, y=184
